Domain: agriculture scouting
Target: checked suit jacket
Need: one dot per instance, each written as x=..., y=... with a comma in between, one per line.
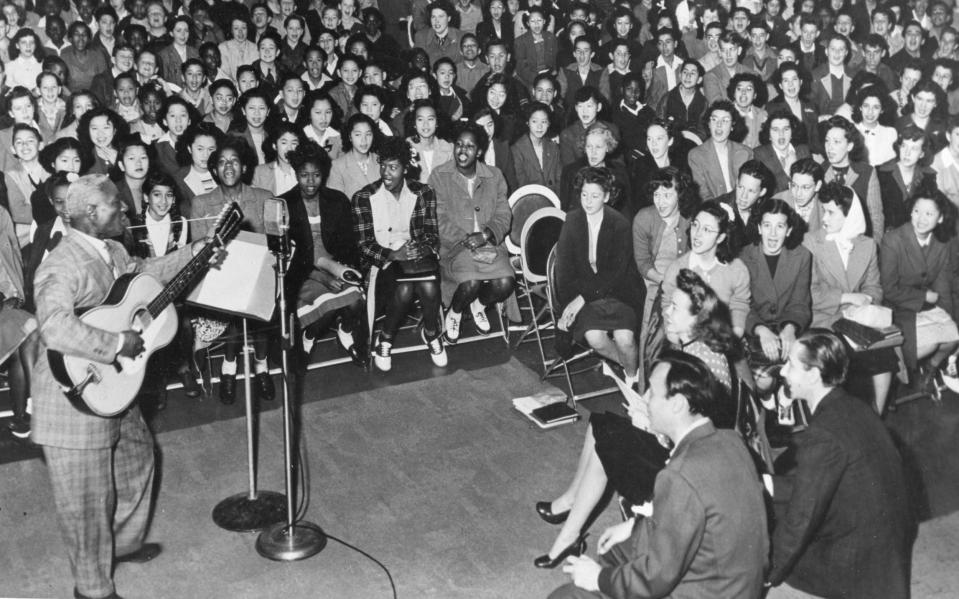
x=74, y=276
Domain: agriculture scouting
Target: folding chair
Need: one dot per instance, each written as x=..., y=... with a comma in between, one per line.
x=537, y=239
x=523, y=203
x=583, y=353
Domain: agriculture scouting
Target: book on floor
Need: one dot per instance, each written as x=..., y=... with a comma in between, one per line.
x=546, y=409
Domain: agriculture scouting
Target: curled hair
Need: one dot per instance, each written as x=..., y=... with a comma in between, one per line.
x=596, y=175
x=310, y=152
x=727, y=249
x=795, y=126
x=804, y=79
x=397, y=148
x=858, y=151
x=189, y=136
x=50, y=153
x=887, y=111
x=671, y=177
x=738, y=124
x=120, y=127
x=713, y=324
x=929, y=190
x=602, y=129
x=688, y=376
x=794, y=222
x=760, y=95
x=839, y=194
x=929, y=86
x=822, y=349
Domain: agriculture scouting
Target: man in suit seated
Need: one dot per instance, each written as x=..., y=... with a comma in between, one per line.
x=706, y=535
x=717, y=161
x=843, y=524
x=101, y=469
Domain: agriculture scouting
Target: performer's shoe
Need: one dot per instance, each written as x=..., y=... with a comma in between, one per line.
x=577, y=548
x=78, y=595
x=263, y=386
x=545, y=511
x=145, y=553
x=190, y=386
x=227, y=388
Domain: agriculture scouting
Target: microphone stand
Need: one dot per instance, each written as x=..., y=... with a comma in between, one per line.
x=291, y=540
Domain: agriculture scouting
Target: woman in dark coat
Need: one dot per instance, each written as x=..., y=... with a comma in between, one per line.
x=324, y=270
x=918, y=278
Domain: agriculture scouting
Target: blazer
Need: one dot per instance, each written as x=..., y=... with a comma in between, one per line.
x=208, y=205
x=830, y=279
x=343, y=99
x=170, y=63
x=485, y=32
x=767, y=155
x=704, y=164
x=906, y=274
x=616, y=275
x=74, y=276
x=672, y=108
x=895, y=193
x=166, y=156
x=822, y=98
x=658, y=83
x=527, y=167
x=863, y=180
x=717, y=80
x=524, y=52
x=815, y=216
x=811, y=60
x=707, y=535
x=844, y=508
x=648, y=229
x=347, y=176
x=783, y=298
x=570, y=81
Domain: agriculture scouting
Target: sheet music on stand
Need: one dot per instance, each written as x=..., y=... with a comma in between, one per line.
x=243, y=284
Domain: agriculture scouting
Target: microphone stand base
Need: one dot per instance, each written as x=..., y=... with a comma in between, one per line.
x=239, y=513
x=283, y=543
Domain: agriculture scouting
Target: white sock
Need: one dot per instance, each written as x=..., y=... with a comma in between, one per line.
x=228, y=367
x=260, y=366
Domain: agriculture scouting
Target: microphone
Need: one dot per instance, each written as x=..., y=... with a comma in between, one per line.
x=276, y=221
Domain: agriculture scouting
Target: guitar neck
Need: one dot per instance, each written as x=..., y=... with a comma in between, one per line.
x=183, y=279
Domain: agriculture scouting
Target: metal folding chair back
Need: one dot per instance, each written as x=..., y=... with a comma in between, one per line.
x=523, y=203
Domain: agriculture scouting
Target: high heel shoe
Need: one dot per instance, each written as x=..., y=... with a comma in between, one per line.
x=545, y=511
x=577, y=548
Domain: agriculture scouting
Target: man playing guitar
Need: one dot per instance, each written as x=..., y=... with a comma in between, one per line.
x=101, y=469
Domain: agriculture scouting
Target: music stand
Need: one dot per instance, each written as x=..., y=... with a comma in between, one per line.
x=293, y=539
x=246, y=257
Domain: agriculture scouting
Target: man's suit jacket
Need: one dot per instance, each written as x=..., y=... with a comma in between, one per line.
x=658, y=85
x=844, y=527
x=707, y=535
x=815, y=216
x=767, y=155
x=704, y=164
x=783, y=298
x=813, y=59
x=527, y=169
x=830, y=279
x=822, y=97
x=863, y=180
x=809, y=118
x=895, y=193
x=906, y=273
x=170, y=63
x=524, y=51
x=570, y=81
x=75, y=276
x=672, y=108
x=717, y=80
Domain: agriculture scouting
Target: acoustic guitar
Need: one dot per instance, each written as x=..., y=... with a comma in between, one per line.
x=138, y=302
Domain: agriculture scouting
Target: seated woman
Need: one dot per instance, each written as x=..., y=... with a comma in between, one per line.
x=395, y=220
x=357, y=166
x=321, y=225
x=873, y=110
x=597, y=283
x=278, y=176
x=779, y=275
x=900, y=178
x=916, y=273
x=598, y=144
x=659, y=231
x=782, y=140
x=425, y=121
x=845, y=272
x=474, y=220
x=712, y=255
x=620, y=455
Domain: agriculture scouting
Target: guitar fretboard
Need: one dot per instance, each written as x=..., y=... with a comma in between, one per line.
x=182, y=280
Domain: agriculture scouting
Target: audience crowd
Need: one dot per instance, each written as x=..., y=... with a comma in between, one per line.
x=738, y=178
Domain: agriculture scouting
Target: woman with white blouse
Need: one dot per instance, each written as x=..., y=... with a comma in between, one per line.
x=871, y=108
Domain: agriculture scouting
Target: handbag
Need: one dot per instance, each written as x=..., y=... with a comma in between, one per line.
x=427, y=265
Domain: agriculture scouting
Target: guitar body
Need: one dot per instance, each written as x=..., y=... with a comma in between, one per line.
x=111, y=388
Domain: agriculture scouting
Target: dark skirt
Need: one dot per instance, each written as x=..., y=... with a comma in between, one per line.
x=631, y=457
x=607, y=314
x=873, y=361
